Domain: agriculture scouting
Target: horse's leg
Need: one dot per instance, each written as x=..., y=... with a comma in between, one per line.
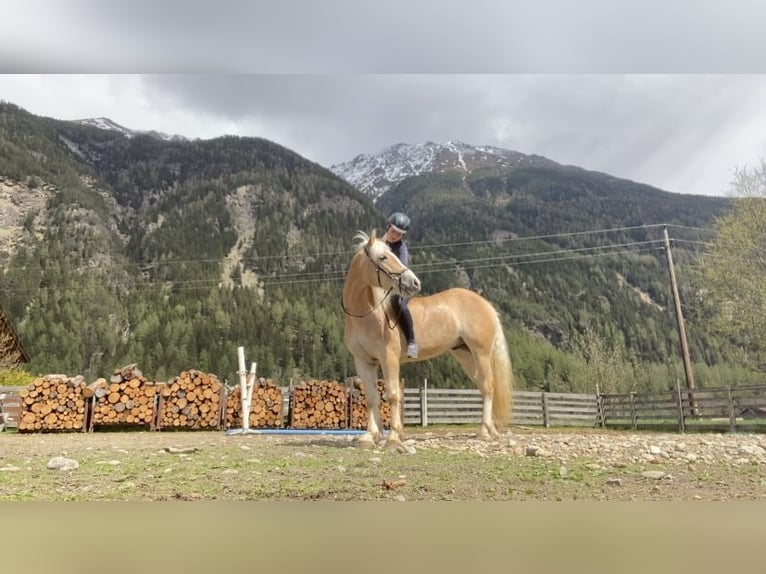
x=394, y=395
x=480, y=372
x=368, y=372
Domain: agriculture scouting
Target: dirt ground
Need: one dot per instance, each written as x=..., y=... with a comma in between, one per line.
x=447, y=463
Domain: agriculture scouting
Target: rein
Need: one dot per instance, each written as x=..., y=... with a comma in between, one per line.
x=397, y=277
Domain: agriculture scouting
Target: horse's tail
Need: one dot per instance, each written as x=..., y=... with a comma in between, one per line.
x=502, y=400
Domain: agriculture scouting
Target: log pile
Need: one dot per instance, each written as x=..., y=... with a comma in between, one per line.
x=128, y=398
x=192, y=400
x=359, y=405
x=316, y=404
x=265, y=407
x=54, y=403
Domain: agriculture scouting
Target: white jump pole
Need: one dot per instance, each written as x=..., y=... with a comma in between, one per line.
x=247, y=399
x=246, y=382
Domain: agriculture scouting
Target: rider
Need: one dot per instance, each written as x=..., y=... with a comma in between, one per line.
x=396, y=228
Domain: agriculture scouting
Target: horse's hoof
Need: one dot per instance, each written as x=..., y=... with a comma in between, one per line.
x=394, y=446
x=485, y=435
x=366, y=442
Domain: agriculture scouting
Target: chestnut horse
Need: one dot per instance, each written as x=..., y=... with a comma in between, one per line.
x=457, y=321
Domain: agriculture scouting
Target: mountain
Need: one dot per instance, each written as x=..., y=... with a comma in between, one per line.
x=107, y=124
x=376, y=174
x=171, y=254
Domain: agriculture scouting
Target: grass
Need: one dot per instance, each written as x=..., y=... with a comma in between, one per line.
x=136, y=467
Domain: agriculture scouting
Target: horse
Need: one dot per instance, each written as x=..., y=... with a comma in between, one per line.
x=457, y=320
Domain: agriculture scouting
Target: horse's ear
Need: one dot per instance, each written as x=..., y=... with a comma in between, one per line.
x=372, y=238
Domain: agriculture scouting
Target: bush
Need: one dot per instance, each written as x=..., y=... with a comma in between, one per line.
x=15, y=378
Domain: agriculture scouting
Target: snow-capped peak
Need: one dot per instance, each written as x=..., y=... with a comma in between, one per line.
x=107, y=124
x=376, y=174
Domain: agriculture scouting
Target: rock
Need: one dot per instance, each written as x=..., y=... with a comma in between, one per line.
x=62, y=463
x=614, y=482
x=180, y=450
x=653, y=474
x=752, y=449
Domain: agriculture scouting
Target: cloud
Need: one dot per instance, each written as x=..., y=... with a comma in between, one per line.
x=680, y=133
x=396, y=36
x=336, y=78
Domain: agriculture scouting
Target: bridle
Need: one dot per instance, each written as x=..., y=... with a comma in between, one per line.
x=395, y=277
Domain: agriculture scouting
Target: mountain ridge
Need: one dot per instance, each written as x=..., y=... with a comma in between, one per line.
x=172, y=253
x=104, y=123
x=375, y=174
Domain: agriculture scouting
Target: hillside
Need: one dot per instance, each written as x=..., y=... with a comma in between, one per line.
x=121, y=248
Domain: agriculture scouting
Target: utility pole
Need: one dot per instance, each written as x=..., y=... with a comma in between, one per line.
x=679, y=316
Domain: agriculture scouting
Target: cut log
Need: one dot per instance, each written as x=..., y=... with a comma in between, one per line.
x=181, y=401
x=51, y=404
x=115, y=399
x=265, y=407
x=319, y=404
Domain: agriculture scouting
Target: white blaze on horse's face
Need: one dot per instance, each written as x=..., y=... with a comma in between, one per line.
x=390, y=272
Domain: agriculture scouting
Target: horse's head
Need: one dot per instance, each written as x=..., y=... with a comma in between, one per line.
x=384, y=268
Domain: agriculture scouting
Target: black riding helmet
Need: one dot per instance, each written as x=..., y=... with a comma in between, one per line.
x=399, y=221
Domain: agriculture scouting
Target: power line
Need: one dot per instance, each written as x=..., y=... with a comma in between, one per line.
x=333, y=276
x=693, y=242
x=278, y=281
x=468, y=264
x=704, y=229
x=412, y=247
x=546, y=236
x=544, y=253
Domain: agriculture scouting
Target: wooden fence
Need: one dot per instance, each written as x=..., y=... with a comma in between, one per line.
x=10, y=407
x=734, y=409
x=731, y=409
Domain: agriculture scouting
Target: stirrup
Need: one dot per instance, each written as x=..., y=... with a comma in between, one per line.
x=412, y=350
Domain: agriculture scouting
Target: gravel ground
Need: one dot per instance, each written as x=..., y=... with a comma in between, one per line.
x=439, y=464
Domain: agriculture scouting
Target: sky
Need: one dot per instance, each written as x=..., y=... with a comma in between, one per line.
x=665, y=93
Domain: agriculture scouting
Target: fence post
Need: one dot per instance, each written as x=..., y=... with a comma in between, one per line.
x=546, y=420
x=732, y=418
x=424, y=403
x=679, y=401
x=600, y=407
x=633, y=410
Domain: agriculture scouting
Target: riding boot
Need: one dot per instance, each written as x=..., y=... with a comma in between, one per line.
x=405, y=319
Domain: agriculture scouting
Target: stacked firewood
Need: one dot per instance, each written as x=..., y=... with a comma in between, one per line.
x=359, y=405
x=192, y=400
x=128, y=398
x=265, y=406
x=54, y=403
x=316, y=404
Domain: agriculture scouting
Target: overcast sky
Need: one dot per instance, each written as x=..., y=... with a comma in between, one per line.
x=672, y=94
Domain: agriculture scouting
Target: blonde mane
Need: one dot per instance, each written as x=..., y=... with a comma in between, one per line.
x=360, y=238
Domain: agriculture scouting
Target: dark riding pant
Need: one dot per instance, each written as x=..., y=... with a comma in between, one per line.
x=405, y=317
